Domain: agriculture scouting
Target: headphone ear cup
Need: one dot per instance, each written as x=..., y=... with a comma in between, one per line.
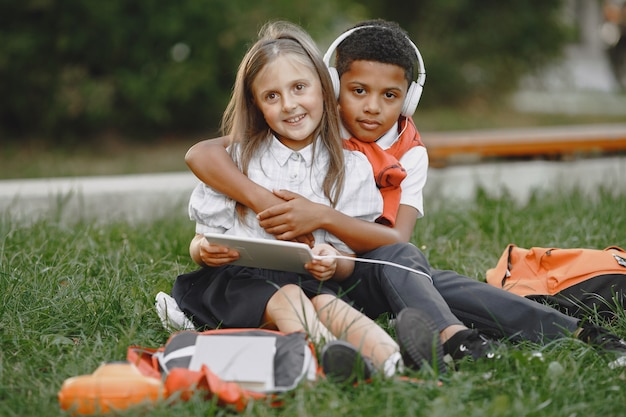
x=412, y=99
x=334, y=78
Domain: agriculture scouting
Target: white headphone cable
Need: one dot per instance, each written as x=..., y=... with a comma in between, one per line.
x=403, y=129
x=375, y=261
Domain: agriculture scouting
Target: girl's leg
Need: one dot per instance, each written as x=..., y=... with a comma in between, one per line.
x=289, y=310
x=345, y=322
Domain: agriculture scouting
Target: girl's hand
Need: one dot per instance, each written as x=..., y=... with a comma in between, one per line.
x=323, y=269
x=216, y=255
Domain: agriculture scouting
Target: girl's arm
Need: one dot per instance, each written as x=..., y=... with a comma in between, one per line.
x=210, y=162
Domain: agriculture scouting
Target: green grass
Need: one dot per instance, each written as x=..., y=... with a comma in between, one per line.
x=75, y=295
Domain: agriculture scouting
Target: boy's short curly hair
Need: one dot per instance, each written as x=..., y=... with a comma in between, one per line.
x=384, y=42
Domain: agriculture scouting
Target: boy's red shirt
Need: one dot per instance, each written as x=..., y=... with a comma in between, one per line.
x=388, y=171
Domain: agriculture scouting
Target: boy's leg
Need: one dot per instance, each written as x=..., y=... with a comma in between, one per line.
x=378, y=289
x=491, y=309
x=289, y=310
x=454, y=298
x=497, y=312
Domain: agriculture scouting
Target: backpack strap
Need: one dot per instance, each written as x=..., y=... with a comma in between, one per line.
x=145, y=360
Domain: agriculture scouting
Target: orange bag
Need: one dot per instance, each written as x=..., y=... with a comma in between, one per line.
x=577, y=282
x=548, y=271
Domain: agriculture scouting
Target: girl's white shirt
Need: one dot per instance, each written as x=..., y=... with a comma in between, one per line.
x=278, y=167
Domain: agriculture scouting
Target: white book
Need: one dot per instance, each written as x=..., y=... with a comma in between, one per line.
x=247, y=360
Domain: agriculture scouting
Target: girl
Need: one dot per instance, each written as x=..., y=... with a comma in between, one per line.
x=284, y=126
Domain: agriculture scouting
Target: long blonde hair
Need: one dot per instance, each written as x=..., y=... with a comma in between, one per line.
x=244, y=122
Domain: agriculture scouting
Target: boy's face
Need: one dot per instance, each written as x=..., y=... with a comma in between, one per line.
x=371, y=95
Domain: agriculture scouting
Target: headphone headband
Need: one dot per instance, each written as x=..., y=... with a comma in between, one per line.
x=421, y=71
x=415, y=89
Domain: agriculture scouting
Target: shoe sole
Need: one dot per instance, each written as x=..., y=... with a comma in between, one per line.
x=418, y=338
x=342, y=363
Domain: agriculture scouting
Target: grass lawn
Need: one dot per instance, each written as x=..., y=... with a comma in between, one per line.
x=75, y=295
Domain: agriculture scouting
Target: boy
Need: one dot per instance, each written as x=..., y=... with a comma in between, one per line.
x=372, y=64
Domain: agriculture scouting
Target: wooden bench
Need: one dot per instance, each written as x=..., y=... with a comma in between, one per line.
x=445, y=148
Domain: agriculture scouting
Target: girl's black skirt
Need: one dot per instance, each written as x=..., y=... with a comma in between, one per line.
x=236, y=296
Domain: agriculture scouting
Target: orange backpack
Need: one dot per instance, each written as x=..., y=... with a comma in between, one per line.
x=581, y=275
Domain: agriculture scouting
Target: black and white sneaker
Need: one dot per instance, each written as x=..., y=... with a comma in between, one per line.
x=606, y=342
x=470, y=343
x=343, y=363
x=418, y=338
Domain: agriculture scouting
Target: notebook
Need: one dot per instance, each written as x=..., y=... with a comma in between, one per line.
x=247, y=360
x=274, y=254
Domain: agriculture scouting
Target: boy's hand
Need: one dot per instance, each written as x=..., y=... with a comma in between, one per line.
x=216, y=255
x=296, y=217
x=323, y=269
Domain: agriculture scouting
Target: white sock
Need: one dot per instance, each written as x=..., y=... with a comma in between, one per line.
x=393, y=364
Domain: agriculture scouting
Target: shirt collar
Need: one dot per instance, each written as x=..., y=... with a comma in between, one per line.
x=282, y=153
x=385, y=141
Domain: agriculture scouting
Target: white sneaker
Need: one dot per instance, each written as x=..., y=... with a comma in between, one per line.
x=172, y=317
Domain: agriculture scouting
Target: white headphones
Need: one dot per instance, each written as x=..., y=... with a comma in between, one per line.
x=415, y=89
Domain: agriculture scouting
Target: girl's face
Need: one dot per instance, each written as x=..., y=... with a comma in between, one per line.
x=289, y=94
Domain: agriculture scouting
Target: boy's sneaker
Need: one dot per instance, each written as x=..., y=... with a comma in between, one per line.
x=172, y=317
x=601, y=338
x=470, y=343
x=419, y=341
x=343, y=363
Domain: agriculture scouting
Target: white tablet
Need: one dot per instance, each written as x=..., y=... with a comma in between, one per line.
x=266, y=253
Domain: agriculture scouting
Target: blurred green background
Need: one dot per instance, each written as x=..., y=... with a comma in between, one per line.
x=73, y=70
